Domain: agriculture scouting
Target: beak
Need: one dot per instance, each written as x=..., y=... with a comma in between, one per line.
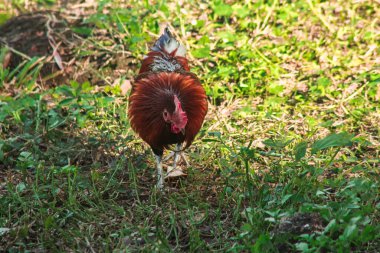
x=183, y=131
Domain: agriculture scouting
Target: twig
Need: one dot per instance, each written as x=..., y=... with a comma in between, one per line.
x=14, y=50
x=320, y=16
x=53, y=44
x=264, y=24
x=89, y=245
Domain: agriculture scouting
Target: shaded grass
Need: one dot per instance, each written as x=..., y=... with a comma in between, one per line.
x=278, y=74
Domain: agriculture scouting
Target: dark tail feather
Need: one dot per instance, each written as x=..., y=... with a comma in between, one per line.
x=168, y=44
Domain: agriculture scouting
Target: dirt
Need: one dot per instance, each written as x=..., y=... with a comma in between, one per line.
x=296, y=225
x=39, y=34
x=301, y=223
x=49, y=36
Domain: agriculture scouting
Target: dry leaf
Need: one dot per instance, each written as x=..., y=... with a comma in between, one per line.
x=175, y=173
x=302, y=87
x=199, y=217
x=57, y=56
x=125, y=87
x=351, y=89
x=7, y=59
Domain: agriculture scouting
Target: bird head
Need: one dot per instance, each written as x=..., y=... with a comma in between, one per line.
x=177, y=119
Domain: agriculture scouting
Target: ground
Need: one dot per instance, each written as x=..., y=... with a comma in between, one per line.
x=287, y=160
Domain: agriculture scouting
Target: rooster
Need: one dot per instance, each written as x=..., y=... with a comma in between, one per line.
x=168, y=104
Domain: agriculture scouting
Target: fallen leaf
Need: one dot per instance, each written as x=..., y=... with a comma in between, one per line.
x=125, y=87
x=175, y=172
x=302, y=87
x=4, y=230
x=7, y=59
x=57, y=56
x=199, y=217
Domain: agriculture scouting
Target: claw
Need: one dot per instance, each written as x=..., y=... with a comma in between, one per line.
x=185, y=159
x=170, y=155
x=173, y=171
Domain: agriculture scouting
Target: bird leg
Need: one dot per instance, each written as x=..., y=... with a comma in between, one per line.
x=170, y=155
x=174, y=171
x=177, y=153
x=160, y=174
x=182, y=154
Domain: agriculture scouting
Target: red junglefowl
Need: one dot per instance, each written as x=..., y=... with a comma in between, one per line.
x=167, y=104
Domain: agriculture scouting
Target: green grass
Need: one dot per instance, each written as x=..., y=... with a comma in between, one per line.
x=293, y=129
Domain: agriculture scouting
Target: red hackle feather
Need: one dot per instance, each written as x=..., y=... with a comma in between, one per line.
x=152, y=93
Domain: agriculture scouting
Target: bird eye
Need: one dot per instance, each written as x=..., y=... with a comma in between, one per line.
x=165, y=115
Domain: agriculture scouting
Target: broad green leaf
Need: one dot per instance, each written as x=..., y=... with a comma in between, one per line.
x=241, y=11
x=215, y=133
x=275, y=88
x=65, y=90
x=66, y=169
x=331, y=225
x=324, y=81
x=203, y=52
x=209, y=140
x=286, y=198
x=246, y=227
x=86, y=31
x=223, y=9
x=21, y=187
x=277, y=143
x=66, y=101
x=25, y=156
x=4, y=17
x=349, y=231
x=49, y=222
x=300, y=150
x=368, y=233
x=302, y=246
x=226, y=36
x=333, y=140
x=263, y=244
